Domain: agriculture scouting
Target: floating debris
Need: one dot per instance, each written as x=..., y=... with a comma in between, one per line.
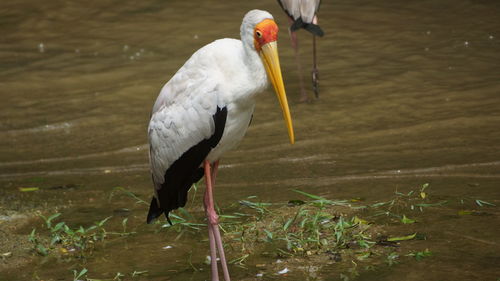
x=481, y=203
x=284, y=271
x=420, y=255
x=402, y=238
x=64, y=186
x=208, y=260
x=41, y=48
x=407, y=220
x=28, y=189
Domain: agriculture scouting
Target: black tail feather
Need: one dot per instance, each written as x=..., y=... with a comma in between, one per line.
x=168, y=218
x=155, y=211
x=297, y=24
x=313, y=28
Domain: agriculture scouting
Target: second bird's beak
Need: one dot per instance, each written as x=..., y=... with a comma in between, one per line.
x=269, y=56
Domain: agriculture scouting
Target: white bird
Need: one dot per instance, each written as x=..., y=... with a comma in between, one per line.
x=302, y=14
x=204, y=111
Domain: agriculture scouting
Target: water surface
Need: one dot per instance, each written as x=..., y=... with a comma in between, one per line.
x=409, y=95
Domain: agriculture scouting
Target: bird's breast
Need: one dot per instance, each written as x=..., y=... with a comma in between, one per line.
x=238, y=120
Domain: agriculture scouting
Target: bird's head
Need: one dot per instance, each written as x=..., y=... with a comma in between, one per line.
x=260, y=26
x=265, y=32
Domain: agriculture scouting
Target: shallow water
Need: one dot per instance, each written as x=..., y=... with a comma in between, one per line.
x=409, y=94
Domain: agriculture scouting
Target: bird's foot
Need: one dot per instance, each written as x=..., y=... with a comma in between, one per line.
x=315, y=82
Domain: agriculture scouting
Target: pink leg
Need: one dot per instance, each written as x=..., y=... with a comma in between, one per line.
x=211, y=237
x=213, y=223
x=295, y=45
x=218, y=238
x=213, y=254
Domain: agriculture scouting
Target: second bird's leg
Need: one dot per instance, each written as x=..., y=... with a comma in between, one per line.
x=295, y=46
x=213, y=223
x=314, y=72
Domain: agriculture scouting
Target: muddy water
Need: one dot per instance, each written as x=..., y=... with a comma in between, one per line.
x=409, y=94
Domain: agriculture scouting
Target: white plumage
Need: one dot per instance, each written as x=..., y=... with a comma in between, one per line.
x=305, y=9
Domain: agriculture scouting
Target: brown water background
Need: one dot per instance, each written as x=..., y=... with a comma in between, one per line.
x=410, y=93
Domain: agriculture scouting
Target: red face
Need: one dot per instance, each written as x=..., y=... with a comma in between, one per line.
x=265, y=31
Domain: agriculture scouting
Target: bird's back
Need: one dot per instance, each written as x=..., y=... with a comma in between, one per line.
x=204, y=69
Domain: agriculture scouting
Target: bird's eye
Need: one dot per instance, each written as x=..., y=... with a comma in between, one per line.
x=258, y=33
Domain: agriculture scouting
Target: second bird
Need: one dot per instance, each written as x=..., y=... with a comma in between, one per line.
x=302, y=14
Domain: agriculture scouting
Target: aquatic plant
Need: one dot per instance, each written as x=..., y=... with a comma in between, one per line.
x=298, y=228
x=403, y=203
x=313, y=228
x=68, y=240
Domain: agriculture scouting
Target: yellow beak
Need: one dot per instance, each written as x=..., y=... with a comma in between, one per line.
x=269, y=56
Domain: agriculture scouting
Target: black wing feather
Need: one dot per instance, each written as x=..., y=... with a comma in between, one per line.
x=185, y=171
x=311, y=27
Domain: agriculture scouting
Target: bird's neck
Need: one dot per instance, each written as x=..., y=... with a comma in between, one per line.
x=256, y=69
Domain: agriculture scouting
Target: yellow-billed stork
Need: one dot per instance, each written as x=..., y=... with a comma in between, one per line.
x=205, y=110
x=302, y=14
